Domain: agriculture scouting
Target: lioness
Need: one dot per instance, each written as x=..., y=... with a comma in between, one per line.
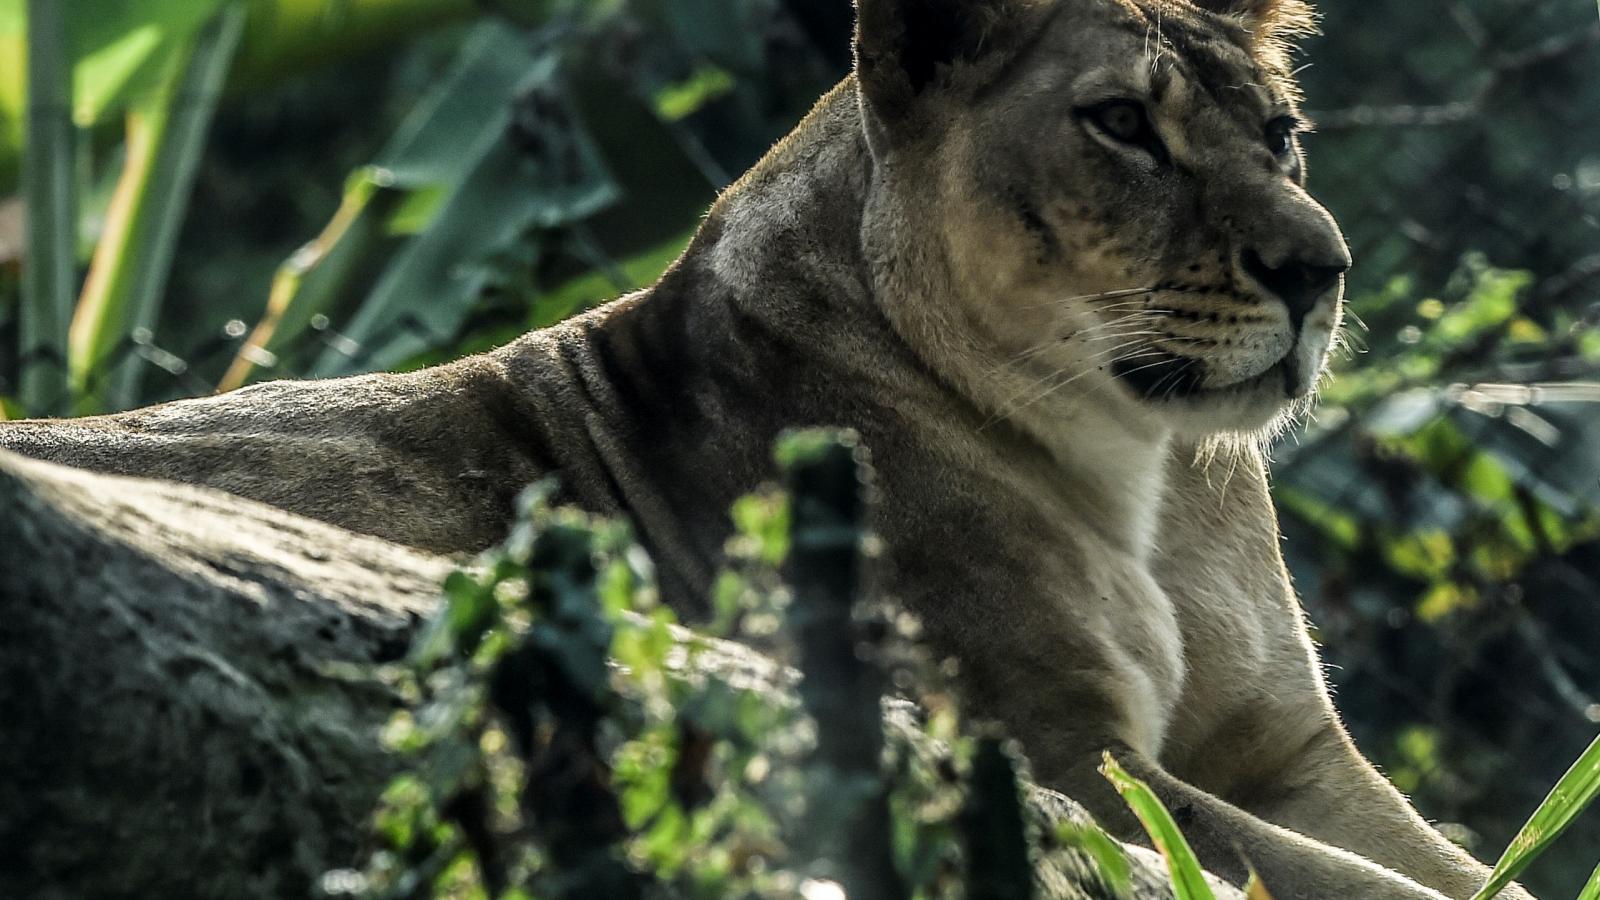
x=1054, y=260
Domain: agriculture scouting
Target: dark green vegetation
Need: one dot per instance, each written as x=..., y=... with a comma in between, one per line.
x=538, y=769
x=473, y=177
x=565, y=738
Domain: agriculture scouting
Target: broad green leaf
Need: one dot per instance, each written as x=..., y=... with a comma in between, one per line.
x=120, y=48
x=1188, y=879
x=287, y=36
x=128, y=276
x=419, y=171
x=1492, y=301
x=1571, y=796
x=496, y=191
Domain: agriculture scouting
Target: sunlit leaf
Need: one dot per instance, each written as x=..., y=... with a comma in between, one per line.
x=120, y=48
x=681, y=100
x=498, y=186
x=1188, y=878
x=313, y=281
x=1571, y=796
x=123, y=293
x=1109, y=856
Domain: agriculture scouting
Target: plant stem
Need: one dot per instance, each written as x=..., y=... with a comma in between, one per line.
x=52, y=215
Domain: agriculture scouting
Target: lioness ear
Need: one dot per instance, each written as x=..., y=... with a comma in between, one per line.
x=1274, y=26
x=1272, y=18
x=905, y=48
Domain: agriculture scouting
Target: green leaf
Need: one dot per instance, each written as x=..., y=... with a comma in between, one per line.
x=1108, y=855
x=14, y=56
x=120, y=47
x=1334, y=523
x=497, y=190
x=764, y=519
x=315, y=280
x=471, y=611
x=1188, y=879
x=1571, y=796
x=128, y=277
x=685, y=98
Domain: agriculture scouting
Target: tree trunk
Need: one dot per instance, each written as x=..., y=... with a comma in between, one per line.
x=190, y=697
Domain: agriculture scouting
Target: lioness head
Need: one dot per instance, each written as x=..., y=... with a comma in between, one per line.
x=1114, y=192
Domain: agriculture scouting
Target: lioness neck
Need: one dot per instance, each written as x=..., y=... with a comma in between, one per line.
x=813, y=209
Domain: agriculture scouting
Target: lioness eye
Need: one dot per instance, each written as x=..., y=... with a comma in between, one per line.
x=1280, y=135
x=1123, y=120
x=1126, y=122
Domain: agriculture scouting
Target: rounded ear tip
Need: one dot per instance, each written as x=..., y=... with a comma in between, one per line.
x=917, y=43
x=1289, y=15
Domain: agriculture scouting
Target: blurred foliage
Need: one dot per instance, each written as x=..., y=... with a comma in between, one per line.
x=566, y=739
x=469, y=171
x=1441, y=510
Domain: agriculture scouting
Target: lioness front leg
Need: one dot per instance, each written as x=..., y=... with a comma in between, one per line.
x=1069, y=705
x=1331, y=792
x=1230, y=841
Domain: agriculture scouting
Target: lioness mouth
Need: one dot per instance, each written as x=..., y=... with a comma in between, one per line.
x=1159, y=376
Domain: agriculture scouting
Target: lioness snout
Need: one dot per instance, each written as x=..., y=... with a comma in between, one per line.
x=1299, y=282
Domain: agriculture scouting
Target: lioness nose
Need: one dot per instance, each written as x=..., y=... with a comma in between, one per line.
x=1299, y=283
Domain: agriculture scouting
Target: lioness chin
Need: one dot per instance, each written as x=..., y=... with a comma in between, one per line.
x=1038, y=253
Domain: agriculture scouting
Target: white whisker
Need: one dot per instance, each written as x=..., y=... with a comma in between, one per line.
x=1102, y=295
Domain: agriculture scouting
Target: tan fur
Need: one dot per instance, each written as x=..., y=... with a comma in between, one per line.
x=1274, y=26
x=950, y=256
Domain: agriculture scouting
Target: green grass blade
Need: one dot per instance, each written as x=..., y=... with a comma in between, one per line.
x=128, y=277
x=1591, y=891
x=1109, y=857
x=1188, y=879
x=49, y=182
x=1571, y=796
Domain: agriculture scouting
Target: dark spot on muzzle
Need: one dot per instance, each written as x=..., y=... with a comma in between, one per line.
x=1161, y=376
